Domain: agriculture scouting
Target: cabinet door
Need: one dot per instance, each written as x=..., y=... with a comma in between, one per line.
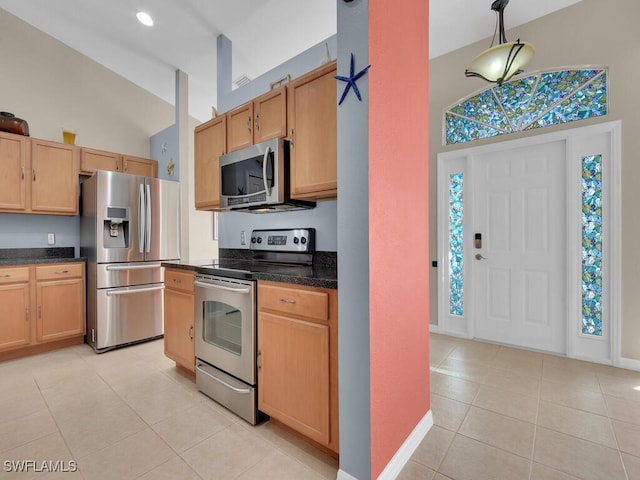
x=293, y=374
x=14, y=299
x=54, y=175
x=92, y=160
x=60, y=303
x=313, y=134
x=139, y=166
x=13, y=175
x=210, y=143
x=179, y=311
x=240, y=127
x=270, y=113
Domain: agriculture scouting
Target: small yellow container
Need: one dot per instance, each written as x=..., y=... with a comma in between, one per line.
x=69, y=136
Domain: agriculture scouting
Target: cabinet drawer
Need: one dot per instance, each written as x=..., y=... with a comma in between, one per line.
x=297, y=302
x=59, y=271
x=14, y=275
x=179, y=280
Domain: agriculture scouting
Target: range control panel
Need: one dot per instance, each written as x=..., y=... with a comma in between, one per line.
x=298, y=240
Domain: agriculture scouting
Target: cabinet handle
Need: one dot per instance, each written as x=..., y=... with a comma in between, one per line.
x=126, y=166
x=287, y=300
x=291, y=140
x=177, y=280
x=117, y=165
x=39, y=311
x=190, y=332
x=22, y=172
x=259, y=359
x=26, y=312
x=6, y=275
x=249, y=124
x=34, y=174
x=257, y=122
x=61, y=272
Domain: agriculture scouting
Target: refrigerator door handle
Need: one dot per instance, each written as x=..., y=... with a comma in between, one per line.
x=142, y=218
x=148, y=220
x=144, y=266
x=133, y=290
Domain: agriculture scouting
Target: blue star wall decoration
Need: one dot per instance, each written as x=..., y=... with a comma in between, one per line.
x=351, y=81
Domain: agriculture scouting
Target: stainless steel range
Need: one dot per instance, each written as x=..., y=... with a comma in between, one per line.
x=225, y=321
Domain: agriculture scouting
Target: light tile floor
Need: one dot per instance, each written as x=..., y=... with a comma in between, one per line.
x=505, y=413
x=129, y=414
x=499, y=413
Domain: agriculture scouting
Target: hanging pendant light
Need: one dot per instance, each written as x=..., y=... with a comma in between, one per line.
x=498, y=64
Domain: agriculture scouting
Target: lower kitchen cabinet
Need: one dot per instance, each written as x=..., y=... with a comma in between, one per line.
x=298, y=359
x=179, y=314
x=43, y=307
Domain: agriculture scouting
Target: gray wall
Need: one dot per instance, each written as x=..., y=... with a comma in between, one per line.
x=591, y=32
x=323, y=217
x=353, y=247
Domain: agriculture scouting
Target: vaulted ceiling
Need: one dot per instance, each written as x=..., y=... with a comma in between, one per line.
x=264, y=34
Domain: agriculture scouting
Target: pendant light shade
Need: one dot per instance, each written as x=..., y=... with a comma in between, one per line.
x=501, y=62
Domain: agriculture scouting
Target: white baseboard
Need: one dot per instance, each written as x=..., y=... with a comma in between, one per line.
x=342, y=475
x=629, y=363
x=409, y=446
x=434, y=328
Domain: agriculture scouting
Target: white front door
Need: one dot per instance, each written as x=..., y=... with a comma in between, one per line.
x=519, y=246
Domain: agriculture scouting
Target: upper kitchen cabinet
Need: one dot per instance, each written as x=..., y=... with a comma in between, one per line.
x=139, y=166
x=209, y=144
x=312, y=117
x=38, y=176
x=261, y=119
x=14, y=157
x=92, y=160
x=54, y=175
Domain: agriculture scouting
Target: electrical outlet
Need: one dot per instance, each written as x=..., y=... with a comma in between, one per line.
x=51, y=238
x=243, y=238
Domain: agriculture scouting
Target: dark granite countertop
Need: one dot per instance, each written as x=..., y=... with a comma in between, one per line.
x=25, y=256
x=323, y=273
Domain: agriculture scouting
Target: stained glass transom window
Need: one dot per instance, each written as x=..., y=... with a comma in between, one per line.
x=592, y=245
x=538, y=100
x=456, y=251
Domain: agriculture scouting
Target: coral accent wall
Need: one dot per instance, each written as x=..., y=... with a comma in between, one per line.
x=398, y=222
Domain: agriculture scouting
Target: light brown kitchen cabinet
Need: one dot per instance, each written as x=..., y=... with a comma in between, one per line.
x=298, y=359
x=60, y=301
x=179, y=315
x=263, y=118
x=54, y=178
x=14, y=176
x=15, y=330
x=312, y=123
x=43, y=308
x=92, y=160
x=38, y=176
x=139, y=166
x=209, y=144
x=270, y=115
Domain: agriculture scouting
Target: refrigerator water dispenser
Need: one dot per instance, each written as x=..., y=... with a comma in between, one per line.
x=116, y=228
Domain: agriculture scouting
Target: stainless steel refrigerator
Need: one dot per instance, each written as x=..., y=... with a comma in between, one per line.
x=129, y=225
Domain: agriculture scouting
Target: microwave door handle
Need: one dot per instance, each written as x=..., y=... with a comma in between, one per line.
x=264, y=170
x=141, y=218
x=148, y=222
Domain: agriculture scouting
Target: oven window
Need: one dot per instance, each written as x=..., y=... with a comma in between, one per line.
x=222, y=326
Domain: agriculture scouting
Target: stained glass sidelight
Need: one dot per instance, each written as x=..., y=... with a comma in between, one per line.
x=592, y=245
x=538, y=100
x=456, y=251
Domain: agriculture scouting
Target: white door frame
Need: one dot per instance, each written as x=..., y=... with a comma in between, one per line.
x=605, y=349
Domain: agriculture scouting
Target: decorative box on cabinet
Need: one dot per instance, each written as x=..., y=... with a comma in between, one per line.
x=298, y=359
x=179, y=316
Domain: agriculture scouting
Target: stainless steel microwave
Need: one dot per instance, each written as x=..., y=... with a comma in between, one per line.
x=257, y=179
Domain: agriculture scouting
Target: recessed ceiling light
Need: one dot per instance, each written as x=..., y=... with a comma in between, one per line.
x=144, y=18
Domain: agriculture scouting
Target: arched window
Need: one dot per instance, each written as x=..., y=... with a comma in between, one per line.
x=538, y=100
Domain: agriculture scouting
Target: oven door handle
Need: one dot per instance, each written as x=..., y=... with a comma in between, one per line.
x=133, y=290
x=231, y=387
x=220, y=287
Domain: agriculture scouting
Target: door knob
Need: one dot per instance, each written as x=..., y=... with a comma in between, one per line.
x=480, y=257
